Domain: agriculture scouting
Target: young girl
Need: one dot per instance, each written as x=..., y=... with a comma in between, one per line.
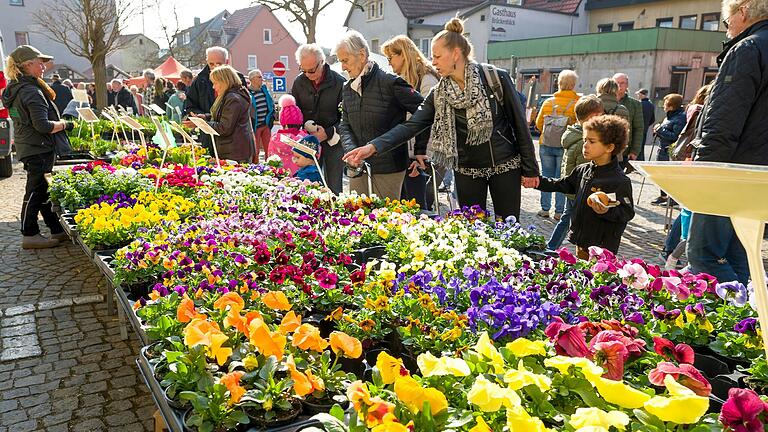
x=292, y=121
x=603, y=203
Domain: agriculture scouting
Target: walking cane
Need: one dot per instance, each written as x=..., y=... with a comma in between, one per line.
x=368, y=173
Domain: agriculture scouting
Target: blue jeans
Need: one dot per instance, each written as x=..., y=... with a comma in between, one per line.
x=674, y=237
x=561, y=229
x=714, y=248
x=551, y=158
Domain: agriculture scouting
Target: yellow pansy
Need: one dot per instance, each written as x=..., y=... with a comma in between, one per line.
x=618, y=393
x=564, y=363
x=433, y=366
x=221, y=354
x=521, y=377
x=490, y=397
x=481, y=425
x=390, y=368
x=522, y=347
x=413, y=395
x=485, y=347
x=518, y=419
x=595, y=417
x=683, y=406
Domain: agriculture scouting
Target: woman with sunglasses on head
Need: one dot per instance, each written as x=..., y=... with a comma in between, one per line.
x=408, y=62
x=485, y=141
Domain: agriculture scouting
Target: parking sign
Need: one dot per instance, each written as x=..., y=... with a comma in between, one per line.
x=278, y=84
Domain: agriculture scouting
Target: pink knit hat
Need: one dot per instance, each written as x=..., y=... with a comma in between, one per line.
x=290, y=114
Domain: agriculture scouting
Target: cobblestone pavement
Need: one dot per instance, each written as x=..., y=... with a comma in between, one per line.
x=63, y=366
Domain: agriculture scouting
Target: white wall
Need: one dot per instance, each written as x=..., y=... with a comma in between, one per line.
x=393, y=23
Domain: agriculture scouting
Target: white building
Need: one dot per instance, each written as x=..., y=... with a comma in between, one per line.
x=485, y=21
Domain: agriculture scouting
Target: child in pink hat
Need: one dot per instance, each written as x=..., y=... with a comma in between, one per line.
x=292, y=121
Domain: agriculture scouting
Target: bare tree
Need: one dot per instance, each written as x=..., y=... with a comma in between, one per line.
x=89, y=29
x=170, y=30
x=305, y=12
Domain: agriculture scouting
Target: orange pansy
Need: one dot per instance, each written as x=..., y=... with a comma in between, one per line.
x=290, y=323
x=215, y=350
x=276, y=300
x=231, y=299
x=186, y=310
x=267, y=342
x=378, y=411
x=198, y=331
x=307, y=337
x=346, y=344
x=232, y=382
x=358, y=394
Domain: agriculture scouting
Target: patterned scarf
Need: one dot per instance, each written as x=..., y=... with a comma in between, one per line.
x=448, y=98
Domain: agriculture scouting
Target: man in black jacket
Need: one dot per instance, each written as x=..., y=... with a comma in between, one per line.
x=374, y=101
x=200, y=95
x=123, y=97
x=649, y=118
x=63, y=93
x=733, y=129
x=318, y=91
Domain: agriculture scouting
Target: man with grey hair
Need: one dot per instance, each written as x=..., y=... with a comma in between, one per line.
x=374, y=101
x=636, y=127
x=317, y=91
x=186, y=77
x=63, y=93
x=123, y=97
x=733, y=129
x=200, y=94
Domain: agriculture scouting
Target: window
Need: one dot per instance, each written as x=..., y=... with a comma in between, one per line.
x=605, y=28
x=252, y=62
x=267, y=36
x=664, y=22
x=677, y=82
x=375, y=46
x=372, y=11
x=482, y=18
x=710, y=21
x=141, y=41
x=709, y=77
x=381, y=9
x=284, y=60
x=16, y=2
x=185, y=38
x=626, y=26
x=688, y=22
x=425, y=44
x=22, y=38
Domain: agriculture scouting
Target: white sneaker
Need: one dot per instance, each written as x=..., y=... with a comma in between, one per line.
x=671, y=263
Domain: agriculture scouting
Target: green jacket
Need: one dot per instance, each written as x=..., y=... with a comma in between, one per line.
x=636, y=123
x=573, y=142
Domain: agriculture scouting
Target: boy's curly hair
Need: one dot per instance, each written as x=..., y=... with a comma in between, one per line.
x=611, y=129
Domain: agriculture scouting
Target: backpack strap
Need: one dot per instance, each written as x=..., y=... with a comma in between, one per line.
x=568, y=106
x=494, y=82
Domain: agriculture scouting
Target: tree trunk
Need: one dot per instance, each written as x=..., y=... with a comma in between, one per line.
x=99, y=65
x=312, y=25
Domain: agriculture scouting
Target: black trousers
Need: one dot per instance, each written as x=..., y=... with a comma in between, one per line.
x=36, y=198
x=333, y=166
x=505, y=192
x=416, y=188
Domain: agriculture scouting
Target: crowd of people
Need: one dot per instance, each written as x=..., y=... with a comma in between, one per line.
x=382, y=130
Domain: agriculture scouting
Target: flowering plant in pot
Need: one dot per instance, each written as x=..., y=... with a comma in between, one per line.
x=269, y=400
x=187, y=370
x=214, y=407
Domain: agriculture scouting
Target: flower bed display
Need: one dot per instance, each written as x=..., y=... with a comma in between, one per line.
x=265, y=297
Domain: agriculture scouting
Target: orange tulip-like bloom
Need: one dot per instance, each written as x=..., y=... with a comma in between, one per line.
x=358, y=394
x=307, y=337
x=276, y=300
x=232, y=382
x=216, y=350
x=290, y=323
x=336, y=314
x=346, y=344
x=198, y=331
x=231, y=299
x=303, y=383
x=186, y=310
x=267, y=342
x=234, y=319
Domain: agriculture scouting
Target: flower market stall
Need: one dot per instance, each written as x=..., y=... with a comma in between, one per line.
x=266, y=303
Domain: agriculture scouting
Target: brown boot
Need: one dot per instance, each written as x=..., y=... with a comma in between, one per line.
x=38, y=242
x=62, y=236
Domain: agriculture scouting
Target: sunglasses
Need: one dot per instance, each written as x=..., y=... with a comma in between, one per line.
x=725, y=21
x=311, y=71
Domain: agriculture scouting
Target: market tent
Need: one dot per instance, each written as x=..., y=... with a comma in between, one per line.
x=170, y=70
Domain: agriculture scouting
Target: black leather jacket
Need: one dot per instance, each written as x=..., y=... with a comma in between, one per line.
x=321, y=104
x=509, y=138
x=733, y=125
x=385, y=101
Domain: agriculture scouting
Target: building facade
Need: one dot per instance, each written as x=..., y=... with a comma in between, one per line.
x=137, y=52
x=485, y=21
x=619, y=15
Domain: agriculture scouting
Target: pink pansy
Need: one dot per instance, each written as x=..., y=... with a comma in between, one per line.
x=634, y=275
x=569, y=339
x=635, y=347
x=682, y=353
x=566, y=256
x=743, y=410
x=611, y=355
x=685, y=374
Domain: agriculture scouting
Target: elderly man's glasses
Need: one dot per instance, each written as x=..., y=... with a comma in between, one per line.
x=311, y=71
x=727, y=20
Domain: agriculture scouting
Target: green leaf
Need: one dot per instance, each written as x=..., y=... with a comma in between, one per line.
x=337, y=411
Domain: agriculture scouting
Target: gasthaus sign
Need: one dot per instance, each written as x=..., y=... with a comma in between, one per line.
x=502, y=22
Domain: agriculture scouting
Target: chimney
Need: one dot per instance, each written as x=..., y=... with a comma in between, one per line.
x=197, y=21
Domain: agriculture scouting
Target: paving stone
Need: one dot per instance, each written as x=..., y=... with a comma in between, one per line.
x=18, y=320
x=29, y=401
x=20, y=352
x=29, y=381
x=18, y=330
x=123, y=418
x=56, y=419
x=17, y=392
x=13, y=417
x=20, y=341
x=18, y=310
x=89, y=425
x=7, y=405
x=24, y=426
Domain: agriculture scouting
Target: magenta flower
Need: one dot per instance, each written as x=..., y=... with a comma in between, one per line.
x=325, y=278
x=568, y=339
x=744, y=411
x=685, y=374
x=681, y=353
x=566, y=256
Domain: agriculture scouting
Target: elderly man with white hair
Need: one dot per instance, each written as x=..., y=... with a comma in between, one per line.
x=636, y=122
x=317, y=91
x=123, y=97
x=200, y=95
x=733, y=129
x=374, y=101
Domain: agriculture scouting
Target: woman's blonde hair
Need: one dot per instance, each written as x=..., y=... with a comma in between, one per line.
x=701, y=94
x=566, y=80
x=607, y=86
x=415, y=64
x=228, y=75
x=14, y=71
x=674, y=99
x=453, y=37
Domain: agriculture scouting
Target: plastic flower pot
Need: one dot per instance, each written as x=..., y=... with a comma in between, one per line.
x=282, y=419
x=174, y=403
x=318, y=407
x=710, y=366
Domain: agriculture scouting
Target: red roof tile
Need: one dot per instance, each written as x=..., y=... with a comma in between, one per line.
x=240, y=19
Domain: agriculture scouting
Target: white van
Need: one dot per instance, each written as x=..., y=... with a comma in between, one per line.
x=6, y=127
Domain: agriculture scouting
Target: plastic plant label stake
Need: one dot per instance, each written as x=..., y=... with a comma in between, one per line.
x=731, y=190
x=207, y=129
x=301, y=147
